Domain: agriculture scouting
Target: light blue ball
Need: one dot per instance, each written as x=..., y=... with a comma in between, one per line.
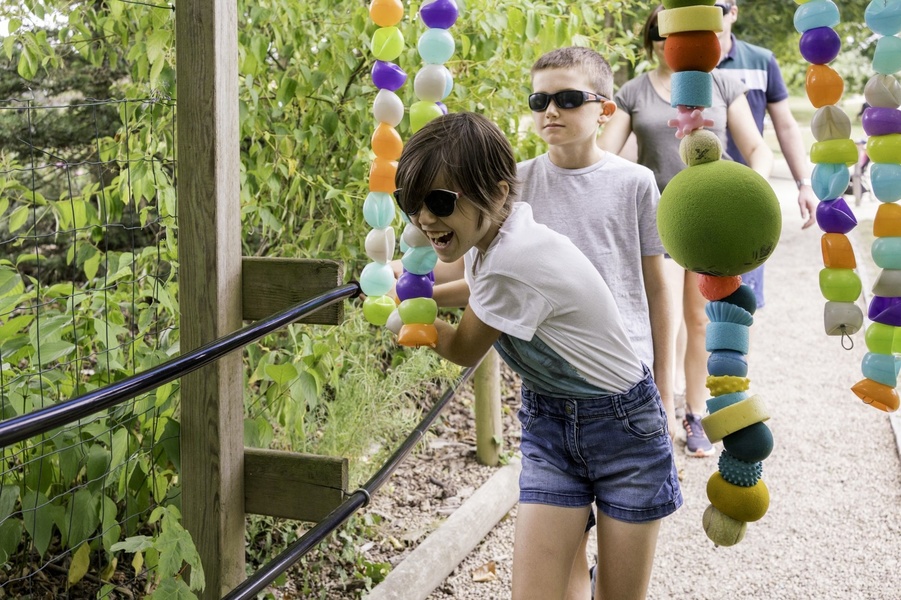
x=379, y=209
x=886, y=252
x=883, y=16
x=818, y=13
x=448, y=84
x=419, y=260
x=830, y=180
x=885, y=179
x=887, y=58
x=377, y=279
x=436, y=46
x=882, y=368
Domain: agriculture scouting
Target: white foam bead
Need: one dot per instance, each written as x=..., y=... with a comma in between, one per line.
x=394, y=323
x=388, y=108
x=414, y=237
x=430, y=83
x=380, y=244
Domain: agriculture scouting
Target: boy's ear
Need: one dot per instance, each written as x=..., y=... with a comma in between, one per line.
x=607, y=110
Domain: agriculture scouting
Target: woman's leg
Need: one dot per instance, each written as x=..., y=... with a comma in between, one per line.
x=625, y=558
x=580, y=577
x=695, y=347
x=545, y=545
x=675, y=276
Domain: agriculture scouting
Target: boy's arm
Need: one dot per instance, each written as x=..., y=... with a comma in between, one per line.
x=467, y=343
x=662, y=332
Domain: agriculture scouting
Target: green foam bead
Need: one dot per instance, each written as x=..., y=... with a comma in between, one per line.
x=377, y=309
x=418, y=310
x=387, y=43
x=879, y=337
x=421, y=113
x=840, y=285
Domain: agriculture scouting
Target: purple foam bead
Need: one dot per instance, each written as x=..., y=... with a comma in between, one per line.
x=820, y=45
x=388, y=76
x=878, y=120
x=439, y=14
x=835, y=216
x=885, y=310
x=410, y=285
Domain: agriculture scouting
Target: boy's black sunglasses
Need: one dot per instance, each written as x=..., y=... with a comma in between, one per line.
x=654, y=34
x=724, y=7
x=440, y=203
x=566, y=99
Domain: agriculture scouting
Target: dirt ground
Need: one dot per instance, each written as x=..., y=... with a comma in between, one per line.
x=833, y=529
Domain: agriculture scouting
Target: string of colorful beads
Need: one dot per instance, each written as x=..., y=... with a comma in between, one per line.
x=377, y=277
x=882, y=123
x=416, y=313
x=719, y=219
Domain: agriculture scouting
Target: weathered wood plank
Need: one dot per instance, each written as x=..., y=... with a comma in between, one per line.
x=209, y=228
x=291, y=485
x=271, y=285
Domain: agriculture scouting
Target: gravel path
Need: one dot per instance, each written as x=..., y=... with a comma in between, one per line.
x=833, y=529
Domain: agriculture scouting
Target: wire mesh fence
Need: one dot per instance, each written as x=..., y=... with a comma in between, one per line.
x=87, y=298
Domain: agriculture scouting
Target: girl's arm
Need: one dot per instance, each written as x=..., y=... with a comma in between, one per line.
x=750, y=143
x=466, y=344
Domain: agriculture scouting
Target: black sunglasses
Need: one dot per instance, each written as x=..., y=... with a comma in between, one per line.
x=440, y=203
x=654, y=34
x=724, y=7
x=566, y=99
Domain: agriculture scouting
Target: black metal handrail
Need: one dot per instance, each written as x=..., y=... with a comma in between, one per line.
x=250, y=587
x=46, y=419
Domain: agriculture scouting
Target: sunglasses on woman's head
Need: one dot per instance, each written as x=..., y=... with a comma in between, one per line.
x=539, y=101
x=440, y=203
x=724, y=7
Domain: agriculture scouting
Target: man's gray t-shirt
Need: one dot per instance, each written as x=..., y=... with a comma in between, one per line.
x=658, y=147
x=609, y=211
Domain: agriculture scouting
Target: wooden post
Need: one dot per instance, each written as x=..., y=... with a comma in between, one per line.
x=209, y=238
x=487, y=391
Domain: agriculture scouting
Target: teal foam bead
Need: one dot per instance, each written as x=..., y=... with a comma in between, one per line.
x=882, y=368
x=818, y=13
x=378, y=210
x=436, y=46
x=885, y=179
x=720, y=402
x=753, y=443
x=727, y=336
x=830, y=180
x=377, y=279
x=419, y=260
x=883, y=16
x=448, y=84
x=739, y=472
x=691, y=88
x=887, y=252
x=887, y=58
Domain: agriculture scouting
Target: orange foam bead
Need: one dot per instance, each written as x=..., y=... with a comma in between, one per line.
x=887, y=222
x=715, y=288
x=692, y=51
x=824, y=85
x=837, y=251
x=877, y=395
x=386, y=13
x=414, y=335
x=386, y=142
x=381, y=175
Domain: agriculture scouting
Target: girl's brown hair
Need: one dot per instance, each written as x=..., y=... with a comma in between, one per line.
x=471, y=154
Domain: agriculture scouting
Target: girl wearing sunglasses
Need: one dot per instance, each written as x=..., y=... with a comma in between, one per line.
x=593, y=426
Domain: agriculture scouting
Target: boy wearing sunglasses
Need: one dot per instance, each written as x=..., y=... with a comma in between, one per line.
x=607, y=206
x=594, y=429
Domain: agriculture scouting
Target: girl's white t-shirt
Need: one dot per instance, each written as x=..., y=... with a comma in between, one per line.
x=561, y=330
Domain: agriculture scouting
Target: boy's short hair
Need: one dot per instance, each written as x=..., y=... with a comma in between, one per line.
x=470, y=152
x=576, y=57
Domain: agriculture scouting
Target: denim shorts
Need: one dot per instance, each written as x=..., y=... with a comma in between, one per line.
x=613, y=450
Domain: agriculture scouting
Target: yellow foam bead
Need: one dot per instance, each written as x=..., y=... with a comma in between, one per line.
x=726, y=384
x=690, y=18
x=734, y=417
x=746, y=504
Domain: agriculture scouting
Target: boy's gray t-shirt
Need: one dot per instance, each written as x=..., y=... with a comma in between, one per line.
x=609, y=211
x=658, y=147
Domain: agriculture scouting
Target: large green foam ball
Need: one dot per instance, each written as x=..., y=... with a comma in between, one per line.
x=719, y=218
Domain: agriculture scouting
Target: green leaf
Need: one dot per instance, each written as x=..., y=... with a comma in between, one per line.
x=19, y=217
x=172, y=589
x=133, y=544
x=281, y=374
x=38, y=518
x=51, y=351
x=82, y=517
x=9, y=494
